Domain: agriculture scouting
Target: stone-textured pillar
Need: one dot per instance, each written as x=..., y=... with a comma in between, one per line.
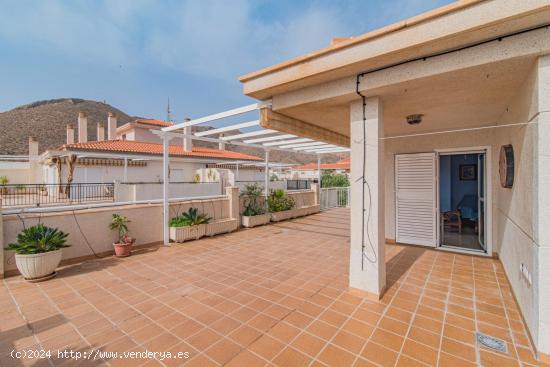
x=111, y=126
x=232, y=193
x=542, y=203
x=100, y=132
x=221, y=144
x=82, y=127
x=70, y=134
x=367, y=252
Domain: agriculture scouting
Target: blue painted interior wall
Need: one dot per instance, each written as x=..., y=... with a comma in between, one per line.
x=451, y=188
x=445, y=183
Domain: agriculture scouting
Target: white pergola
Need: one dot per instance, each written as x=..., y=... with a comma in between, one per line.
x=265, y=139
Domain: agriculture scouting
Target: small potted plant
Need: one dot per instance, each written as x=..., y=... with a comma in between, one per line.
x=254, y=214
x=190, y=225
x=38, y=251
x=123, y=247
x=3, y=182
x=280, y=205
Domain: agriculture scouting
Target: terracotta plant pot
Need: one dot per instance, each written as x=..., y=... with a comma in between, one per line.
x=123, y=249
x=36, y=267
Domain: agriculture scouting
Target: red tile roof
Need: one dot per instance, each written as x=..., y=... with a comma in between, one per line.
x=155, y=122
x=138, y=147
x=341, y=164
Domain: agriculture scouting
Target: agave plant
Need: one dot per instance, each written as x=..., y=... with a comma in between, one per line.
x=38, y=239
x=190, y=218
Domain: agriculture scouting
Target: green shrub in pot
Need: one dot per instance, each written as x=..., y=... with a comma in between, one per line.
x=278, y=201
x=38, y=251
x=188, y=225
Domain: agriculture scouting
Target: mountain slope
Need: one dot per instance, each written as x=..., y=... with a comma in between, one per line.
x=47, y=121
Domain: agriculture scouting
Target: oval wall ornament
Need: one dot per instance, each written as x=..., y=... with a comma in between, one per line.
x=506, y=166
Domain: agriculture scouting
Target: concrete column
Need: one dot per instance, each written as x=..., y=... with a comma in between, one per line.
x=187, y=141
x=367, y=252
x=33, y=147
x=111, y=126
x=70, y=134
x=100, y=131
x=1, y=242
x=82, y=127
x=221, y=144
x=315, y=189
x=232, y=193
x=542, y=204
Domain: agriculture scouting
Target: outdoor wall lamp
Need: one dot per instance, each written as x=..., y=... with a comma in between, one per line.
x=414, y=119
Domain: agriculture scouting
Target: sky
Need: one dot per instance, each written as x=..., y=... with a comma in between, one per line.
x=135, y=54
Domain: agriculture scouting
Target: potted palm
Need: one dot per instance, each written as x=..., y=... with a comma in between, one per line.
x=190, y=225
x=280, y=205
x=254, y=214
x=123, y=247
x=38, y=251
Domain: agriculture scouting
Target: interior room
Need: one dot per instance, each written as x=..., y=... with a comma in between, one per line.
x=458, y=201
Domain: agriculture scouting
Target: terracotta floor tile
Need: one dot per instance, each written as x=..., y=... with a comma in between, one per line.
x=379, y=355
x=203, y=339
x=425, y=337
x=349, y=341
x=246, y=358
x=267, y=347
x=493, y=360
x=244, y=335
x=284, y=332
x=336, y=357
x=387, y=339
x=308, y=344
x=420, y=352
x=290, y=357
x=223, y=351
x=405, y=361
x=284, y=287
x=458, y=349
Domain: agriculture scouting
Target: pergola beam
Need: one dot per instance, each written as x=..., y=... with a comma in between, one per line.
x=250, y=134
x=242, y=125
x=217, y=116
x=270, y=138
x=276, y=121
x=292, y=141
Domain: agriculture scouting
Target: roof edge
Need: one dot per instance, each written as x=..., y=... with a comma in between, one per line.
x=380, y=32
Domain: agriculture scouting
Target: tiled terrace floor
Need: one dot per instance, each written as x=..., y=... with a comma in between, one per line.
x=273, y=295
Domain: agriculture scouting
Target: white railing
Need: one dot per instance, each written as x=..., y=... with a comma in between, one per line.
x=335, y=197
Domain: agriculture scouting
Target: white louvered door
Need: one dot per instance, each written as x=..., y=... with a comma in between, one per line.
x=415, y=199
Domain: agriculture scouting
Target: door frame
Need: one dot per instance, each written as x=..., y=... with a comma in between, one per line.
x=488, y=196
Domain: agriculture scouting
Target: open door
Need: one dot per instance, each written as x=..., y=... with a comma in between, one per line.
x=415, y=195
x=481, y=202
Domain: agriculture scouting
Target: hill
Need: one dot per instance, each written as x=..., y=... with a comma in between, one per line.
x=47, y=121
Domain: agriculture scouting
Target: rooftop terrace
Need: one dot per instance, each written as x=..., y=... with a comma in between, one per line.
x=270, y=296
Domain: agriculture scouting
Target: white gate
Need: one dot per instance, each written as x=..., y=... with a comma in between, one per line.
x=335, y=197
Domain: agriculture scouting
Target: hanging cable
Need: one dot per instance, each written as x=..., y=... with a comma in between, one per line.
x=364, y=183
x=84, y=236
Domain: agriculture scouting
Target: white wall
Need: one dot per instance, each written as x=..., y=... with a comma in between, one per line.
x=17, y=172
x=514, y=222
x=138, y=192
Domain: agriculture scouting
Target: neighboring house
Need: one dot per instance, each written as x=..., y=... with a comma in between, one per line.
x=309, y=171
x=133, y=154
x=448, y=118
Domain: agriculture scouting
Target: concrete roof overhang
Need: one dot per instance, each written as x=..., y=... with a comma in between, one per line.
x=468, y=87
x=452, y=26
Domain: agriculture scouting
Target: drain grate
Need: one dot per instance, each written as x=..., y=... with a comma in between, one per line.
x=491, y=342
